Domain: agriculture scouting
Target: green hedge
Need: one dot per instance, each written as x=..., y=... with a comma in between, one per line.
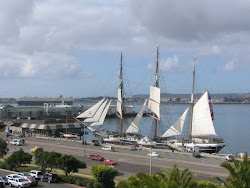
x=78, y=181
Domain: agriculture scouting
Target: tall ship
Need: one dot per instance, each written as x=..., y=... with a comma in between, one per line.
x=36, y=101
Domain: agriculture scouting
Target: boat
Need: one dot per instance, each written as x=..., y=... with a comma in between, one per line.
x=146, y=142
x=201, y=125
x=69, y=135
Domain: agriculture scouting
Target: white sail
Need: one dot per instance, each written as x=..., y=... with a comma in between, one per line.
x=91, y=111
x=98, y=113
x=102, y=118
x=202, y=123
x=135, y=125
x=154, y=100
x=119, y=103
x=177, y=127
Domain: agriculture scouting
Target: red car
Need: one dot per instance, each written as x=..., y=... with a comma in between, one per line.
x=110, y=162
x=96, y=157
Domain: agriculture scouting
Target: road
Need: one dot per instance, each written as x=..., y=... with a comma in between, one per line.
x=130, y=162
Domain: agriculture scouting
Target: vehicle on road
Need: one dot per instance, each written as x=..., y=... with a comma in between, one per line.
x=36, y=174
x=50, y=178
x=12, y=176
x=96, y=157
x=108, y=148
x=4, y=179
x=17, y=142
x=154, y=154
x=19, y=182
x=110, y=162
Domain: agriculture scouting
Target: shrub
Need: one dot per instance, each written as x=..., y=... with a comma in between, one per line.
x=77, y=181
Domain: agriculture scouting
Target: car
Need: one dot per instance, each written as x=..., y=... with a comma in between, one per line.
x=33, y=149
x=110, y=162
x=154, y=154
x=12, y=176
x=26, y=175
x=19, y=182
x=50, y=178
x=108, y=148
x=4, y=179
x=229, y=158
x=96, y=157
x=2, y=184
x=17, y=142
x=36, y=174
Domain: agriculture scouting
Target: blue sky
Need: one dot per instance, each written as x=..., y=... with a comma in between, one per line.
x=72, y=48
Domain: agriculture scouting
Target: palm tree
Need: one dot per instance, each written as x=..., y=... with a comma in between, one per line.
x=165, y=179
x=239, y=173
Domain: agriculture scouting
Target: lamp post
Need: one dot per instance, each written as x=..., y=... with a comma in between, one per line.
x=84, y=141
x=150, y=161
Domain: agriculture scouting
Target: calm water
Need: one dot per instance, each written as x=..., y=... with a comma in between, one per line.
x=232, y=123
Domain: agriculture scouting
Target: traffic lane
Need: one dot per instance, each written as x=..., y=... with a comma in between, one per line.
x=75, y=149
x=40, y=184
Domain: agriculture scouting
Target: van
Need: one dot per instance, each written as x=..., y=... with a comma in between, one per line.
x=108, y=148
x=17, y=142
x=37, y=174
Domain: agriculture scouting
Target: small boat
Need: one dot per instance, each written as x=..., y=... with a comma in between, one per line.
x=69, y=135
x=146, y=142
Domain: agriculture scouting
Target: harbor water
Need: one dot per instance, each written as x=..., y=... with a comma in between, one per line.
x=231, y=121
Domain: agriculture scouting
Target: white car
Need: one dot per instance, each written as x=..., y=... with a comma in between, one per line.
x=36, y=173
x=17, y=142
x=19, y=182
x=154, y=154
x=108, y=148
x=12, y=176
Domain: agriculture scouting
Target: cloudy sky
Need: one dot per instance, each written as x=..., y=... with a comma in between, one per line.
x=72, y=48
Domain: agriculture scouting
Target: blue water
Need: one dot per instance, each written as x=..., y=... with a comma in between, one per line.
x=232, y=123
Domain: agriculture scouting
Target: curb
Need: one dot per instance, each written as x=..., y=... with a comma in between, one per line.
x=73, y=185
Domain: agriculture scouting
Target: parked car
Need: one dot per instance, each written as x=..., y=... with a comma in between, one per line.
x=19, y=182
x=2, y=184
x=110, y=162
x=96, y=157
x=108, y=148
x=4, y=179
x=17, y=142
x=154, y=154
x=229, y=158
x=32, y=180
x=50, y=178
x=12, y=176
x=36, y=173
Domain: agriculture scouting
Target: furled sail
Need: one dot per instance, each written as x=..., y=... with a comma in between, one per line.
x=135, y=125
x=154, y=100
x=119, y=103
x=102, y=118
x=177, y=127
x=91, y=111
x=98, y=113
x=202, y=124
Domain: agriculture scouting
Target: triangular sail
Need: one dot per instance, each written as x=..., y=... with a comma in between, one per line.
x=91, y=111
x=98, y=113
x=202, y=124
x=102, y=118
x=154, y=100
x=135, y=125
x=177, y=127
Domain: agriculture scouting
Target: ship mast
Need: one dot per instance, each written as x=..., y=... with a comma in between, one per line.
x=156, y=85
x=192, y=103
x=121, y=93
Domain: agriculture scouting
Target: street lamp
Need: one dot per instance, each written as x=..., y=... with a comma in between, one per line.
x=150, y=161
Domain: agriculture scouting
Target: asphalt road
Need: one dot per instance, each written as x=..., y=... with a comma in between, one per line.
x=130, y=162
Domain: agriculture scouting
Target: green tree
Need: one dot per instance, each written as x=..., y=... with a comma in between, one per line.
x=3, y=147
x=18, y=158
x=41, y=159
x=69, y=164
x=52, y=157
x=239, y=173
x=103, y=176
